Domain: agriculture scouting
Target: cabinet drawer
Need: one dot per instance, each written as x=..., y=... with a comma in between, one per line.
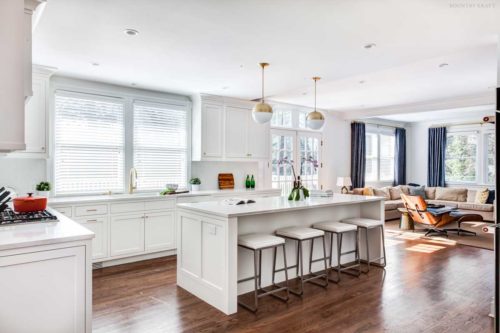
x=66, y=210
x=159, y=204
x=91, y=210
x=127, y=207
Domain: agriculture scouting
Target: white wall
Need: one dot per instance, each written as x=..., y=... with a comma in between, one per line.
x=22, y=174
x=208, y=172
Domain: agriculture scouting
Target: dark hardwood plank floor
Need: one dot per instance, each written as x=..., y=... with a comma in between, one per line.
x=428, y=286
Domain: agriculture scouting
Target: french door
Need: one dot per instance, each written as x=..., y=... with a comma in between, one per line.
x=299, y=149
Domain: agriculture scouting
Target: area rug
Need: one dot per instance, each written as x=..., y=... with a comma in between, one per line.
x=482, y=240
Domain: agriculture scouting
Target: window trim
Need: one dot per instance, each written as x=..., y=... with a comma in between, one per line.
x=128, y=95
x=481, y=131
x=380, y=130
x=295, y=110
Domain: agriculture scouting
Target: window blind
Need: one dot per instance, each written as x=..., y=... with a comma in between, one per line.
x=89, y=144
x=160, y=145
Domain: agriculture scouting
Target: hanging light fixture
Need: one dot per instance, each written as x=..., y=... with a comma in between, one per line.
x=315, y=120
x=262, y=112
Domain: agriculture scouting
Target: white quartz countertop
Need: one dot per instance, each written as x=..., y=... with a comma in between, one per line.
x=34, y=234
x=274, y=205
x=153, y=196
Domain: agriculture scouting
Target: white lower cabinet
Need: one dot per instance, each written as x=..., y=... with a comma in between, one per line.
x=160, y=231
x=99, y=226
x=44, y=291
x=126, y=234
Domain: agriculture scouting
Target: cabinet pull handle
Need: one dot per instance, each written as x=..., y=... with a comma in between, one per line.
x=91, y=210
x=146, y=217
x=90, y=221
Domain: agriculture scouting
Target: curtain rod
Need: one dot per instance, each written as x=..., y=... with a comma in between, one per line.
x=458, y=124
x=378, y=125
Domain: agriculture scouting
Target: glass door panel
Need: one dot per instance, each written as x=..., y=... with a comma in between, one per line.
x=282, y=153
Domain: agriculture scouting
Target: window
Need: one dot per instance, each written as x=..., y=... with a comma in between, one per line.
x=380, y=146
x=98, y=139
x=281, y=117
x=160, y=145
x=300, y=149
x=289, y=116
x=461, y=155
x=89, y=144
x=470, y=154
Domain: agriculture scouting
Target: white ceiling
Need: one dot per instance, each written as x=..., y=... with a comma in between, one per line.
x=214, y=46
x=452, y=115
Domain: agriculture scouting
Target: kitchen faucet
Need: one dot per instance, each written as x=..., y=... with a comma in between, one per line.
x=132, y=180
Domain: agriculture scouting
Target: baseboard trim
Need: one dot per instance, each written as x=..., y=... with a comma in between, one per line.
x=128, y=260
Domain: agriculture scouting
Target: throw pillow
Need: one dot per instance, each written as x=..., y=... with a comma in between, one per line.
x=418, y=190
x=368, y=191
x=382, y=192
x=451, y=194
x=491, y=197
x=395, y=192
x=482, y=196
x=358, y=191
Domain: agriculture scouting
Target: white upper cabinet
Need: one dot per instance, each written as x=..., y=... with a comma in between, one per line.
x=223, y=130
x=212, y=134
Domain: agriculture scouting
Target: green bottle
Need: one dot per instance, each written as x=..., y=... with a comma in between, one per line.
x=252, y=182
x=247, y=182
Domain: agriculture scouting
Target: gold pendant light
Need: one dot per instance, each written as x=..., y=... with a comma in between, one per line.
x=315, y=120
x=262, y=112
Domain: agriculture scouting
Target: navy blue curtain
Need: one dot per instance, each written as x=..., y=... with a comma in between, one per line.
x=436, y=157
x=400, y=157
x=358, y=158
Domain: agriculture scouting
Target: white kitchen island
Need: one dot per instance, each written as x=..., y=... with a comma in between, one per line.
x=209, y=262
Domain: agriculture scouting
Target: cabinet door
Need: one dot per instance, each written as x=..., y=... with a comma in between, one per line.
x=211, y=131
x=35, y=113
x=127, y=234
x=236, y=132
x=99, y=226
x=258, y=139
x=44, y=291
x=160, y=231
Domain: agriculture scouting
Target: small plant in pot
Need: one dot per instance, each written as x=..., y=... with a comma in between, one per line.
x=43, y=189
x=195, y=184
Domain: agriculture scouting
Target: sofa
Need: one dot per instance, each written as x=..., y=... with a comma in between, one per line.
x=461, y=198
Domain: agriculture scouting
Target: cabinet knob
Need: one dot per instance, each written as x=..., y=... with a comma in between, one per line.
x=204, y=153
x=43, y=148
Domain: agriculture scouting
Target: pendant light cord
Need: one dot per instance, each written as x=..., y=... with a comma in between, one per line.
x=263, y=84
x=315, y=81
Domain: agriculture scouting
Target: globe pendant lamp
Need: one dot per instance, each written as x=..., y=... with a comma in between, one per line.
x=315, y=120
x=262, y=112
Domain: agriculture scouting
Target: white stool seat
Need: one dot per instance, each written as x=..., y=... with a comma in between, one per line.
x=335, y=226
x=362, y=222
x=299, y=232
x=259, y=241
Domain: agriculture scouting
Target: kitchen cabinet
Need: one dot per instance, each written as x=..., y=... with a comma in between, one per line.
x=212, y=131
x=99, y=226
x=46, y=289
x=159, y=231
x=223, y=130
x=127, y=234
x=236, y=141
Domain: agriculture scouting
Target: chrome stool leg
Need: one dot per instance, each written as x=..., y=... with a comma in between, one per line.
x=369, y=261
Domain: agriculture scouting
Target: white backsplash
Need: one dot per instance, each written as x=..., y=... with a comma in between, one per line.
x=208, y=172
x=22, y=174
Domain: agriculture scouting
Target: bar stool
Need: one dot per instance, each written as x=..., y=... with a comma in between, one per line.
x=339, y=229
x=367, y=224
x=257, y=243
x=301, y=234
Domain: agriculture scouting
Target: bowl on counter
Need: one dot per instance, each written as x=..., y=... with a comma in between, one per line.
x=172, y=187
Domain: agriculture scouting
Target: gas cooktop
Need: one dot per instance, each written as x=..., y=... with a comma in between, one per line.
x=9, y=217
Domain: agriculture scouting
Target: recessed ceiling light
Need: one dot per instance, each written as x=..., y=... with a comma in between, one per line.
x=443, y=65
x=370, y=46
x=131, y=32
x=133, y=84
x=225, y=88
x=241, y=66
x=362, y=81
x=94, y=64
x=304, y=93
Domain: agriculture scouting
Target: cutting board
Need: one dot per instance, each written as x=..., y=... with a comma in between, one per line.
x=226, y=181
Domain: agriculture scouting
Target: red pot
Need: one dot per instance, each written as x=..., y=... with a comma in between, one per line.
x=29, y=204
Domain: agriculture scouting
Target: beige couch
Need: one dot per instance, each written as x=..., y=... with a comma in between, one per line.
x=461, y=198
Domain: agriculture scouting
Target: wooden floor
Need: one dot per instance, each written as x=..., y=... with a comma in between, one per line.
x=426, y=287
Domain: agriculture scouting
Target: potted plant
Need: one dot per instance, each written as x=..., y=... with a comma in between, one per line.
x=195, y=184
x=43, y=189
x=298, y=192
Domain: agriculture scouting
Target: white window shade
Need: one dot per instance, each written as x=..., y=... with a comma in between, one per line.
x=89, y=144
x=160, y=145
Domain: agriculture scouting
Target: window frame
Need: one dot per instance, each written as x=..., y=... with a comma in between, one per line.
x=128, y=95
x=379, y=130
x=481, y=131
